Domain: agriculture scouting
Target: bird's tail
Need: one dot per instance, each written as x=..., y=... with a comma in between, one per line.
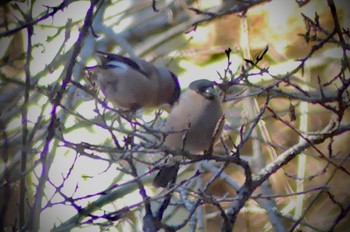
x=166, y=176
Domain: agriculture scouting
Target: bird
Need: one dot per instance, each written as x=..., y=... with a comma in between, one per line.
x=132, y=84
x=193, y=125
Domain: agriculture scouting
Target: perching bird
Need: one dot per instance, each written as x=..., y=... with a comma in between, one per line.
x=194, y=124
x=134, y=83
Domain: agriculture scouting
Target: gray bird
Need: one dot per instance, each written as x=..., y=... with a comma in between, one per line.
x=134, y=83
x=194, y=123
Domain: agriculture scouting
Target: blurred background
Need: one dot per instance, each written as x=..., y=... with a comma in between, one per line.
x=63, y=152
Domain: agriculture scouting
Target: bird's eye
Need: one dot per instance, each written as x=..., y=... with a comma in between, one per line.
x=208, y=93
x=209, y=90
